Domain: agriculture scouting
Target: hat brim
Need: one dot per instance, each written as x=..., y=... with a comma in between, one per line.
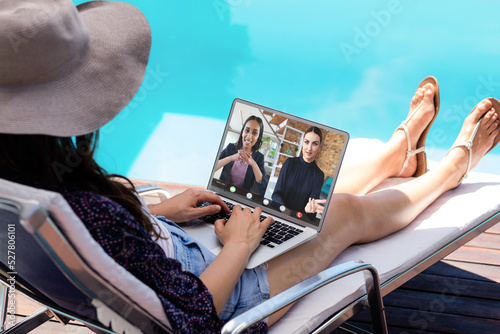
x=95, y=92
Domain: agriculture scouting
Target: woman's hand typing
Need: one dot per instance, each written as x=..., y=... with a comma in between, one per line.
x=182, y=207
x=244, y=228
x=241, y=235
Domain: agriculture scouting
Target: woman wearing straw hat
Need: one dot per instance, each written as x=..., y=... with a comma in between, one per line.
x=79, y=66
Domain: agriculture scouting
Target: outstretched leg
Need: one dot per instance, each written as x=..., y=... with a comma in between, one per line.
x=359, y=177
x=359, y=219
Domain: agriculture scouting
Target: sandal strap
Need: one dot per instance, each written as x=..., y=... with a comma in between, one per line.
x=413, y=112
x=468, y=145
x=409, y=151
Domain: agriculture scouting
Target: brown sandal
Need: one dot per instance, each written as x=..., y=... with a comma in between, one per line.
x=420, y=151
x=495, y=104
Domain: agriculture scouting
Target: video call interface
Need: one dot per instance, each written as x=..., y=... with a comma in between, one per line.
x=278, y=162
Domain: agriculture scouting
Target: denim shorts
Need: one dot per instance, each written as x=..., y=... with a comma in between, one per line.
x=251, y=289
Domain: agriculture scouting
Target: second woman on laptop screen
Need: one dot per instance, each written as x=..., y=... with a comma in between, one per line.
x=278, y=161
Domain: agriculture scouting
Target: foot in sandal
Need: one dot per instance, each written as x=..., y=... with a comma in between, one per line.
x=478, y=136
x=410, y=159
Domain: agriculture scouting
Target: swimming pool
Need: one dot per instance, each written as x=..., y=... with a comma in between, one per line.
x=353, y=65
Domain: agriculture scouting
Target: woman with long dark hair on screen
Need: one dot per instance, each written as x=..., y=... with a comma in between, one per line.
x=300, y=180
x=242, y=164
x=56, y=92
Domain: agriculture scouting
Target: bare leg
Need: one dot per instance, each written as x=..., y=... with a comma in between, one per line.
x=361, y=176
x=360, y=219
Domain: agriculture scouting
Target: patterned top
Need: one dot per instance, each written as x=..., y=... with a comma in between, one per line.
x=187, y=302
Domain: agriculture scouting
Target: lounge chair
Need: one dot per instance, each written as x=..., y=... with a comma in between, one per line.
x=59, y=265
x=54, y=261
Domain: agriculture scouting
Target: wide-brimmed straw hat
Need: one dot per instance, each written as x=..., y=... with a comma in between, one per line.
x=66, y=70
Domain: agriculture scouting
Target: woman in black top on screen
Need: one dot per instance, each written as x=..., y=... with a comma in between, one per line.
x=300, y=180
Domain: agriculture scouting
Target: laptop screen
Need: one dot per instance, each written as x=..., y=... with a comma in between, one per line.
x=278, y=162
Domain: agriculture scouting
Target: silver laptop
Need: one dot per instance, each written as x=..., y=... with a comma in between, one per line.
x=285, y=187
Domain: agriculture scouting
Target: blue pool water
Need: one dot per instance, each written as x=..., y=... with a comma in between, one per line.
x=349, y=64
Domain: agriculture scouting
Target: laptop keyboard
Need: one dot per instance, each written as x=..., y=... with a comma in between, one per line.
x=276, y=234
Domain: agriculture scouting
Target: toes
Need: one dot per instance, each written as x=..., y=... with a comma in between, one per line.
x=420, y=93
x=415, y=101
x=494, y=130
x=428, y=87
x=489, y=118
x=426, y=92
x=416, y=98
x=491, y=122
x=481, y=109
x=429, y=93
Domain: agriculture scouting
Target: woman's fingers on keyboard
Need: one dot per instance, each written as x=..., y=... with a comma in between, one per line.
x=257, y=211
x=207, y=210
x=219, y=223
x=267, y=222
x=212, y=198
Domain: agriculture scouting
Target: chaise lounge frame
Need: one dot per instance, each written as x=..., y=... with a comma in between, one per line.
x=118, y=313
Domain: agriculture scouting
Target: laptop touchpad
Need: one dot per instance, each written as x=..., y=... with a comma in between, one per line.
x=205, y=234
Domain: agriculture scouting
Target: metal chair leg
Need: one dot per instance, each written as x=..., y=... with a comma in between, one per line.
x=374, y=295
x=351, y=329
x=31, y=322
x=4, y=300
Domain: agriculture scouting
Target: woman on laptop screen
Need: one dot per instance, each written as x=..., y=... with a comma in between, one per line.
x=56, y=92
x=243, y=164
x=300, y=180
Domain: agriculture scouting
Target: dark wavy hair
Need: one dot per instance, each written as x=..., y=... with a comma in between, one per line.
x=257, y=145
x=317, y=131
x=54, y=162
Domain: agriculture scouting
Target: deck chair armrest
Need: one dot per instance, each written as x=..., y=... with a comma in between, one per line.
x=152, y=193
x=291, y=295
